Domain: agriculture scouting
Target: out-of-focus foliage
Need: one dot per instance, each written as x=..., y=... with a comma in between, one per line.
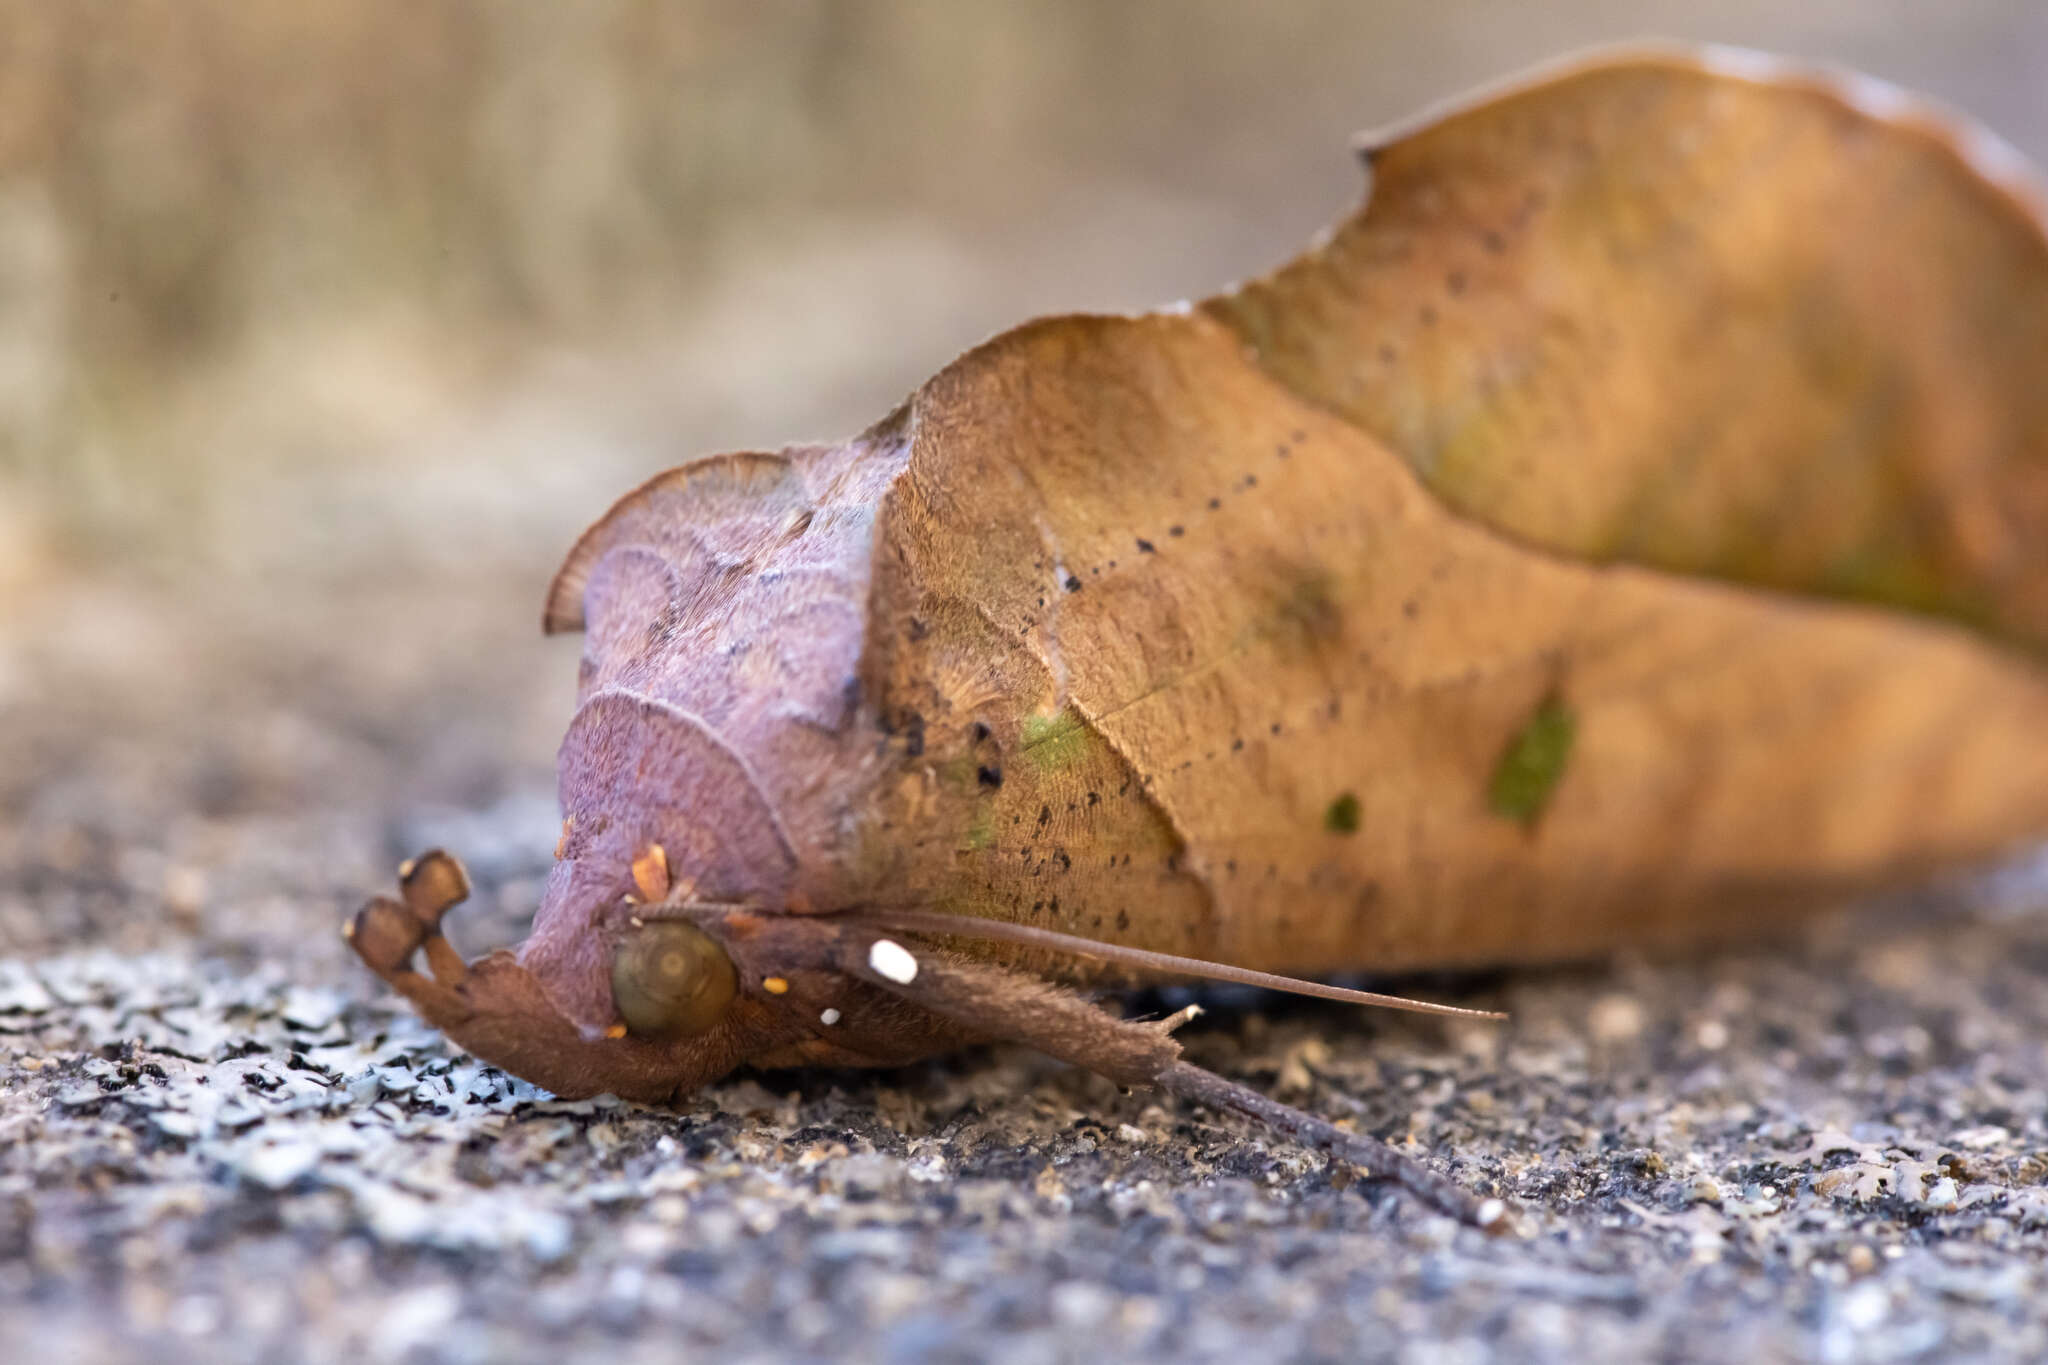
x=256, y=259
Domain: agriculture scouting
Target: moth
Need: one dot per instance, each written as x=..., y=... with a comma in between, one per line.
x=1623, y=531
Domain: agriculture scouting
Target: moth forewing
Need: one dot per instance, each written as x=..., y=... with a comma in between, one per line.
x=1605, y=538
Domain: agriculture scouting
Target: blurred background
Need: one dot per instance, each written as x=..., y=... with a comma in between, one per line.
x=325, y=326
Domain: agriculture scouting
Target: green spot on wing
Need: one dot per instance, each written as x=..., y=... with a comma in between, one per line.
x=1342, y=816
x=1533, y=762
x=1056, y=740
x=981, y=833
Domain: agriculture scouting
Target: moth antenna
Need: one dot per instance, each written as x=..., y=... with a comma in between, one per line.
x=1142, y=959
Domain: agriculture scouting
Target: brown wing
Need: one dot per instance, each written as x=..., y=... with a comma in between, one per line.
x=1710, y=313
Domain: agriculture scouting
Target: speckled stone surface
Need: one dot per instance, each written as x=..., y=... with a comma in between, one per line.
x=310, y=367
x=221, y=1141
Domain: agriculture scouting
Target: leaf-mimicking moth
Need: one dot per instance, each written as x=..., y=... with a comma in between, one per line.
x=1624, y=529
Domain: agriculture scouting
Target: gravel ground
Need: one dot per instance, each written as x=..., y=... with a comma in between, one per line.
x=299, y=647
x=220, y=1140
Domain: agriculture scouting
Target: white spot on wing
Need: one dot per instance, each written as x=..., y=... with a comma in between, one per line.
x=893, y=961
x=828, y=1018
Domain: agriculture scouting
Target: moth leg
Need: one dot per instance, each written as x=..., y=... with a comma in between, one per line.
x=1374, y=1159
x=996, y=1002
x=433, y=884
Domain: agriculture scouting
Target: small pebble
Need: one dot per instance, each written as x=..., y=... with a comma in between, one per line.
x=1615, y=1019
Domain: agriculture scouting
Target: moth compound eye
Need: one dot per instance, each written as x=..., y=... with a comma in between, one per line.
x=671, y=980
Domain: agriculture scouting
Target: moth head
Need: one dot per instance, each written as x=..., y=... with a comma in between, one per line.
x=649, y=1009
x=645, y=999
